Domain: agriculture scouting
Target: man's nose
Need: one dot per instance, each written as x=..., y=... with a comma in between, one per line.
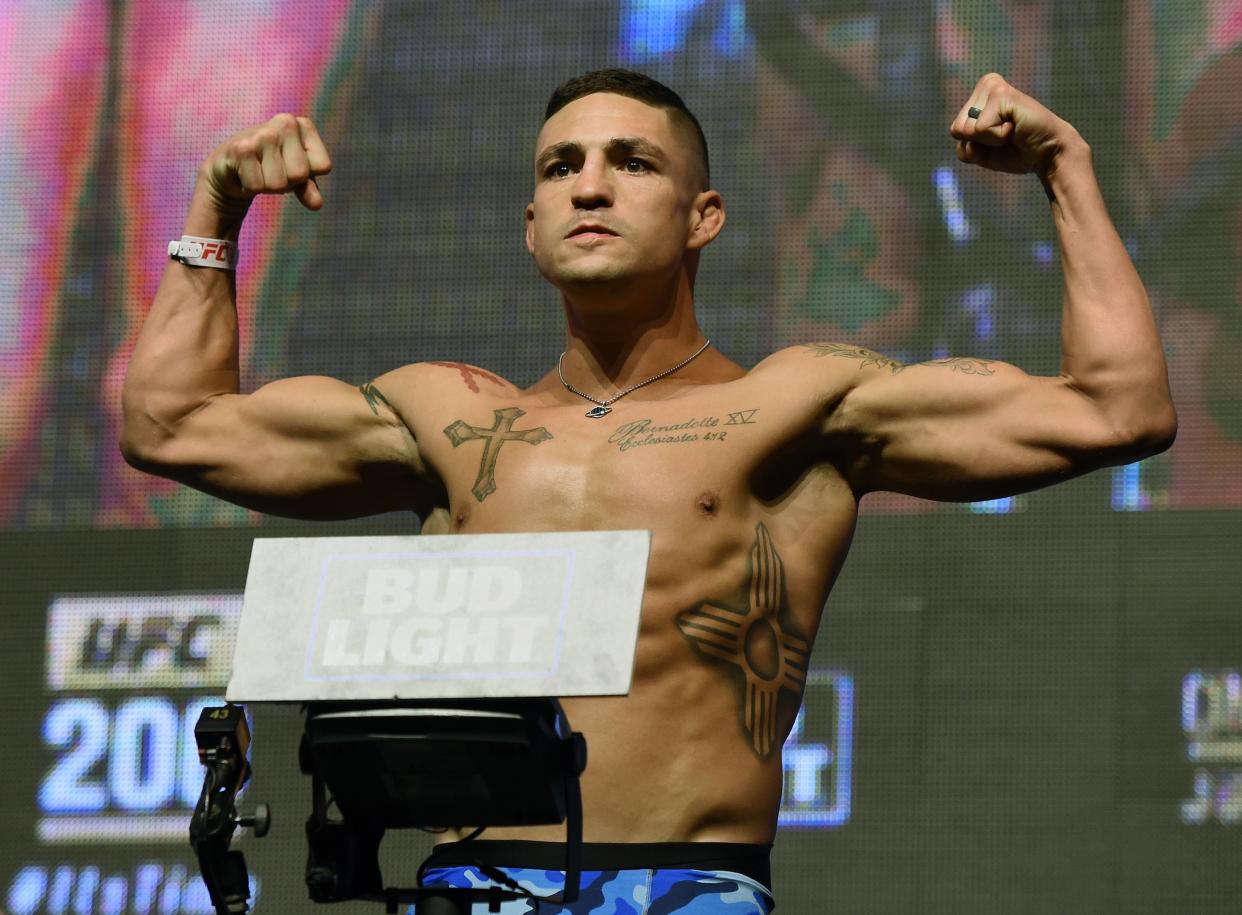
x=593, y=185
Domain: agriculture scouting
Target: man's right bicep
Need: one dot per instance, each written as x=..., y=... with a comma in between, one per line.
x=310, y=447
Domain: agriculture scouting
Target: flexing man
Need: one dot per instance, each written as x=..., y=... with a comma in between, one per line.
x=749, y=480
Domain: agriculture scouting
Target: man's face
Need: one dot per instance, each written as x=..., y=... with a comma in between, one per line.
x=617, y=194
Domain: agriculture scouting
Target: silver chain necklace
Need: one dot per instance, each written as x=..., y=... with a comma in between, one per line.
x=603, y=408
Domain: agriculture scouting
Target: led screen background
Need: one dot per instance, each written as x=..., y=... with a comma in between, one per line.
x=1018, y=667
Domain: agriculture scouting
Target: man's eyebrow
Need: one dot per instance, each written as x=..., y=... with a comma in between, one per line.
x=615, y=146
x=556, y=151
x=634, y=145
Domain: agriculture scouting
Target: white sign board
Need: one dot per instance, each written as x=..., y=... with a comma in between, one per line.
x=454, y=617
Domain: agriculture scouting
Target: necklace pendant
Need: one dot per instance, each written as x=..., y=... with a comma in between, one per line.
x=597, y=412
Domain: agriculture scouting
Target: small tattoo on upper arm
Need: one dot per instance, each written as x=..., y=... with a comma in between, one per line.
x=374, y=397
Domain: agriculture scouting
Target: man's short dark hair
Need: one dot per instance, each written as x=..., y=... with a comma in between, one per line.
x=636, y=86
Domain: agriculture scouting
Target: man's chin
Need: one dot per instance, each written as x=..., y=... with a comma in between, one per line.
x=585, y=277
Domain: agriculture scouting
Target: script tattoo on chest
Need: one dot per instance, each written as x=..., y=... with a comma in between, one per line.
x=769, y=654
x=460, y=432
x=639, y=432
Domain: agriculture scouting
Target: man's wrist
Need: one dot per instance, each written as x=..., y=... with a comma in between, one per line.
x=196, y=251
x=209, y=218
x=1070, y=161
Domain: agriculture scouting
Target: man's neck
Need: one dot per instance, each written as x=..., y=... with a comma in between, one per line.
x=613, y=343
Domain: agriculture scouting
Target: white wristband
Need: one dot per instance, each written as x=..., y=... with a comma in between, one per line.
x=204, y=252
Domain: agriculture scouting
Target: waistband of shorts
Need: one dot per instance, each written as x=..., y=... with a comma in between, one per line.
x=753, y=861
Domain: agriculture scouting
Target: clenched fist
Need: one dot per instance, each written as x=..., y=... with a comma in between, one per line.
x=283, y=155
x=1010, y=132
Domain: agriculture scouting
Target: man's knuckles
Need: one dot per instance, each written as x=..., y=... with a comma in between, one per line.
x=243, y=147
x=284, y=123
x=996, y=135
x=260, y=165
x=992, y=81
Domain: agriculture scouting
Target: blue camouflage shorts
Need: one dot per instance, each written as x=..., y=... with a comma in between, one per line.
x=687, y=878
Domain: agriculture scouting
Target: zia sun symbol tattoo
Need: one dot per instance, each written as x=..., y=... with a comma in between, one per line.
x=769, y=656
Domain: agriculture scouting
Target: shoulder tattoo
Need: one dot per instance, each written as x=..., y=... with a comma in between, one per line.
x=967, y=365
x=865, y=357
x=468, y=372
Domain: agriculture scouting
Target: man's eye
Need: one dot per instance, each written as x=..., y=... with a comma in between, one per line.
x=558, y=170
x=634, y=166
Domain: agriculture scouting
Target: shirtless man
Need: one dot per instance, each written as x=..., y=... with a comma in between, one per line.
x=748, y=480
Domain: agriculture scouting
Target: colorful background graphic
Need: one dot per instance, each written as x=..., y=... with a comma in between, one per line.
x=1024, y=705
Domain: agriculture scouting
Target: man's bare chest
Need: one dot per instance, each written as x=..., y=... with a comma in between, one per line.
x=522, y=465
x=748, y=522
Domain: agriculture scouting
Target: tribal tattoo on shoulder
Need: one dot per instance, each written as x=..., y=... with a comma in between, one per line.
x=768, y=652
x=459, y=432
x=865, y=357
x=965, y=364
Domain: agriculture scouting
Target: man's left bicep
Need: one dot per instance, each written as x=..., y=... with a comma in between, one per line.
x=967, y=429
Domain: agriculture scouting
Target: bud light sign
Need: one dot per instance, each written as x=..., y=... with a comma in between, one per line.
x=476, y=616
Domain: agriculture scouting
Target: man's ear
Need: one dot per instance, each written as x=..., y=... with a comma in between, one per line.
x=530, y=228
x=707, y=218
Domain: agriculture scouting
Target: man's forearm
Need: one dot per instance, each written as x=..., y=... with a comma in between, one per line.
x=1110, y=344
x=187, y=350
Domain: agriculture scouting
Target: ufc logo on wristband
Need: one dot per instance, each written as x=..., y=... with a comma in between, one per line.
x=204, y=252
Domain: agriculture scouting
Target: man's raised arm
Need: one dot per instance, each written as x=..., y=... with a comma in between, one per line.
x=304, y=447
x=965, y=429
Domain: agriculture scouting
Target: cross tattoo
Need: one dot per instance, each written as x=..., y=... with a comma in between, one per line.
x=500, y=432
